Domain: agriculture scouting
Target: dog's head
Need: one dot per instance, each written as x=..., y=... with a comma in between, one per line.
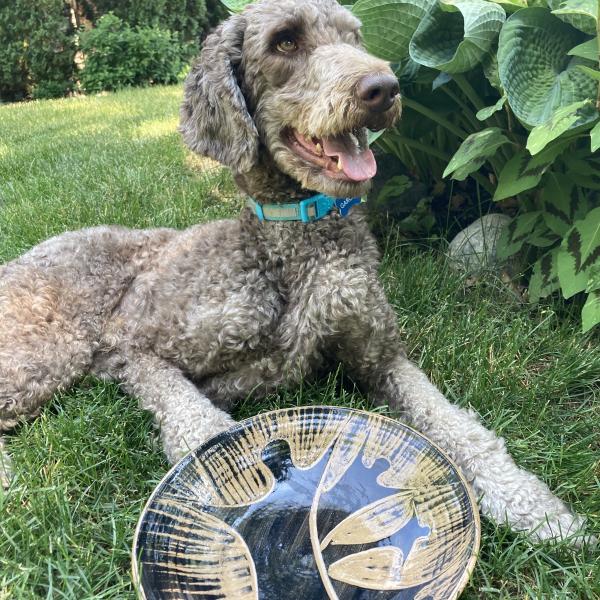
x=290, y=78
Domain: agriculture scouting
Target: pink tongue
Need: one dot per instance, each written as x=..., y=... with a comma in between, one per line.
x=357, y=164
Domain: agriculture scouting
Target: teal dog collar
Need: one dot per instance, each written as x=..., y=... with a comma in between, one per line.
x=307, y=211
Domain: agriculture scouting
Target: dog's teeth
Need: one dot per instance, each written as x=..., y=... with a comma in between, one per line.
x=339, y=164
x=318, y=149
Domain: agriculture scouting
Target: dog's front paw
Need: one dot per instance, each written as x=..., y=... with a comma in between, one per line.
x=182, y=436
x=527, y=505
x=566, y=526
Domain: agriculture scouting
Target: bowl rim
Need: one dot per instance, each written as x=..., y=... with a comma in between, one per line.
x=470, y=566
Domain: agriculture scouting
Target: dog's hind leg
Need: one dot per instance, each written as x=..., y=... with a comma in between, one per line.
x=45, y=344
x=186, y=417
x=44, y=347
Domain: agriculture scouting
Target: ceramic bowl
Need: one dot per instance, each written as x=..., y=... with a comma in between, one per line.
x=308, y=504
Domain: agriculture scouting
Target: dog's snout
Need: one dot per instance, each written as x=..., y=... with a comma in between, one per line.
x=377, y=92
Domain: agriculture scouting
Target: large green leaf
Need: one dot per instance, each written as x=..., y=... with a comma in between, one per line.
x=544, y=278
x=590, y=314
x=456, y=34
x=563, y=119
x=474, y=151
x=523, y=172
x=388, y=25
x=579, y=253
x=582, y=14
x=534, y=68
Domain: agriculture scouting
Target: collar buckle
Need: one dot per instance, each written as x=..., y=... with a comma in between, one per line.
x=321, y=205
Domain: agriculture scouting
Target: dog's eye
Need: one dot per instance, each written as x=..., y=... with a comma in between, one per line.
x=287, y=45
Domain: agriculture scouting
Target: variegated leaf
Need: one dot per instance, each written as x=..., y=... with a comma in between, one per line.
x=523, y=172
x=562, y=120
x=515, y=234
x=542, y=236
x=374, y=522
x=580, y=251
x=544, y=278
x=564, y=203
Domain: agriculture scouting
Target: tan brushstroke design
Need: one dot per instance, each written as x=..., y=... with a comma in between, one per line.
x=239, y=477
x=375, y=569
x=442, y=552
x=374, y=522
x=232, y=473
x=213, y=551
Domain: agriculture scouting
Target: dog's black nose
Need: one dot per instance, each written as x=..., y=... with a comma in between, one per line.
x=377, y=92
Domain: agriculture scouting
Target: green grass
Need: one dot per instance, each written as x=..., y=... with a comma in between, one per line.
x=85, y=467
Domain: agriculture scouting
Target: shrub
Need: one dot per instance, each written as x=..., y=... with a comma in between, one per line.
x=37, y=50
x=117, y=55
x=188, y=17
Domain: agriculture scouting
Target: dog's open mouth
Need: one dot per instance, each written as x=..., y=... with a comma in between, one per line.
x=341, y=156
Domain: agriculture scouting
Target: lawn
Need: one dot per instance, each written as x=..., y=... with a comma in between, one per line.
x=85, y=468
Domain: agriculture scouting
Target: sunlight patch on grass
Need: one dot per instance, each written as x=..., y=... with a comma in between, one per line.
x=156, y=128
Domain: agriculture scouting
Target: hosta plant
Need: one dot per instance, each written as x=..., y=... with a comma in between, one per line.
x=505, y=95
x=511, y=98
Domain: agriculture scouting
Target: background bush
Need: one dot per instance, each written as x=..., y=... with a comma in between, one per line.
x=117, y=55
x=39, y=39
x=36, y=50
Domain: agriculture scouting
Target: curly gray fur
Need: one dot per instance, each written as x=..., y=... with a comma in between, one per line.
x=190, y=321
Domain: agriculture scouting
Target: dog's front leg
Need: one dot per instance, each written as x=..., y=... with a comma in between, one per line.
x=186, y=417
x=507, y=493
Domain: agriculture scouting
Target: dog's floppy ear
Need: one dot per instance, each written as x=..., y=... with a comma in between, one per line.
x=214, y=118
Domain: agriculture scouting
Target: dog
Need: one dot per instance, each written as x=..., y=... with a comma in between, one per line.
x=191, y=321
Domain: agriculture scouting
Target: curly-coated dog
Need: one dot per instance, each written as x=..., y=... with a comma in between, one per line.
x=189, y=321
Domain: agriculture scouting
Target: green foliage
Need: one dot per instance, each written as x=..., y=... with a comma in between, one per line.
x=534, y=67
x=513, y=104
x=474, y=151
x=40, y=38
x=188, y=17
x=37, y=49
x=117, y=55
